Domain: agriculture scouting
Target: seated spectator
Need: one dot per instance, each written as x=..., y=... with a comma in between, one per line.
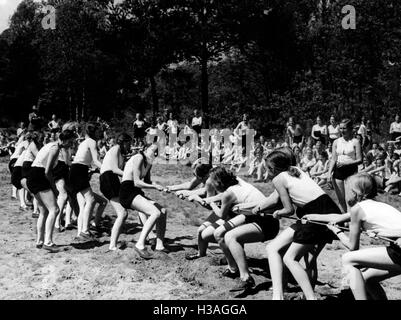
x=319, y=172
x=308, y=162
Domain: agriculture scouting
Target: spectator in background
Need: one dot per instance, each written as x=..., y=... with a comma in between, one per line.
x=54, y=125
x=139, y=127
x=319, y=131
x=197, y=122
x=333, y=129
x=172, y=124
x=241, y=131
x=35, y=120
x=395, y=128
x=21, y=129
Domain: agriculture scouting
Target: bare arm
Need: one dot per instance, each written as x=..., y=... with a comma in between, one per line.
x=53, y=156
x=139, y=182
x=189, y=185
x=227, y=201
x=94, y=153
x=288, y=209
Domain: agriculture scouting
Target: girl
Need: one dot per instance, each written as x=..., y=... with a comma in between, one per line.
x=79, y=180
x=40, y=182
x=16, y=181
x=320, y=170
x=110, y=172
x=319, y=131
x=368, y=267
x=346, y=156
x=136, y=176
x=295, y=188
x=333, y=129
x=308, y=162
x=230, y=191
x=19, y=148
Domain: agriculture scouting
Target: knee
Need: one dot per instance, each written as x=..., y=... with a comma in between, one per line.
x=219, y=234
x=163, y=211
x=123, y=215
x=287, y=260
x=156, y=213
x=200, y=229
x=63, y=196
x=229, y=238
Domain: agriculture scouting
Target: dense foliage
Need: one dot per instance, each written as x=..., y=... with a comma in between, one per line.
x=270, y=58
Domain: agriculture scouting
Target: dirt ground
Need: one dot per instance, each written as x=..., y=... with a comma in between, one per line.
x=90, y=272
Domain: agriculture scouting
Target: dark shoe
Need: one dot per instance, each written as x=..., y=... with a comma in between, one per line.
x=244, y=285
x=230, y=274
x=69, y=227
x=192, y=256
x=39, y=245
x=144, y=254
x=52, y=248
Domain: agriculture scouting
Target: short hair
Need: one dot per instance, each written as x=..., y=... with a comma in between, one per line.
x=348, y=123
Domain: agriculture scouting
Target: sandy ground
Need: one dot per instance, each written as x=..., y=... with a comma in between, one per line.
x=90, y=272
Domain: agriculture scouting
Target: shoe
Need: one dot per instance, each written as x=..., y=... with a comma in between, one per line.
x=192, y=256
x=52, y=248
x=39, y=245
x=143, y=253
x=35, y=215
x=165, y=250
x=243, y=285
x=230, y=274
x=69, y=227
x=85, y=237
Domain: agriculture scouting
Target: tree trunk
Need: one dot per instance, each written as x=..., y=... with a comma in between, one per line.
x=155, y=98
x=205, y=86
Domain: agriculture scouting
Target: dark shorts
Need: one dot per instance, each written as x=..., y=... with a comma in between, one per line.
x=79, y=177
x=37, y=181
x=128, y=192
x=395, y=135
x=394, y=253
x=11, y=164
x=345, y=172
x=297, y=139
x=16, y=177
x=61, y=171
x=269, y=226
x=26, y=168
x=311, y=233
x=109, y=185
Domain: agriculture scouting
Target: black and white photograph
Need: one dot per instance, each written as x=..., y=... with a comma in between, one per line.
x=228, y=151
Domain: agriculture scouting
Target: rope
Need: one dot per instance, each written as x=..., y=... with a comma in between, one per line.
x=249, y=211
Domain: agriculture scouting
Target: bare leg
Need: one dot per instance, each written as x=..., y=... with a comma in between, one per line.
x=276, y=262
x=339, y=188
x=122, y=215
x=291, y=259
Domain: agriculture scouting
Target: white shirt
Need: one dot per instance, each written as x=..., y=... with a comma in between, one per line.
x=395, y=127
x=246, y=193
x=380, y=215
x=301, y=190
x=334, y=132
x=84, y=155
x=345, y=150
x=19, y=148
x=43, y=155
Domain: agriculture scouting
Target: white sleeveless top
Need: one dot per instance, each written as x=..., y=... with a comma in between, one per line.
x=23, y=145
x=84, y=155
x=246, y=193
x=380, y=215
x=107, y=164
x=29, y=156
x=345, y=150
x=301, y=190
x=334, y=132
x=20, y=159
x=43, y=155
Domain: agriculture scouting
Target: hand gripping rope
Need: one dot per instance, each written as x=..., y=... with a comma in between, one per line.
x=250, y=212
